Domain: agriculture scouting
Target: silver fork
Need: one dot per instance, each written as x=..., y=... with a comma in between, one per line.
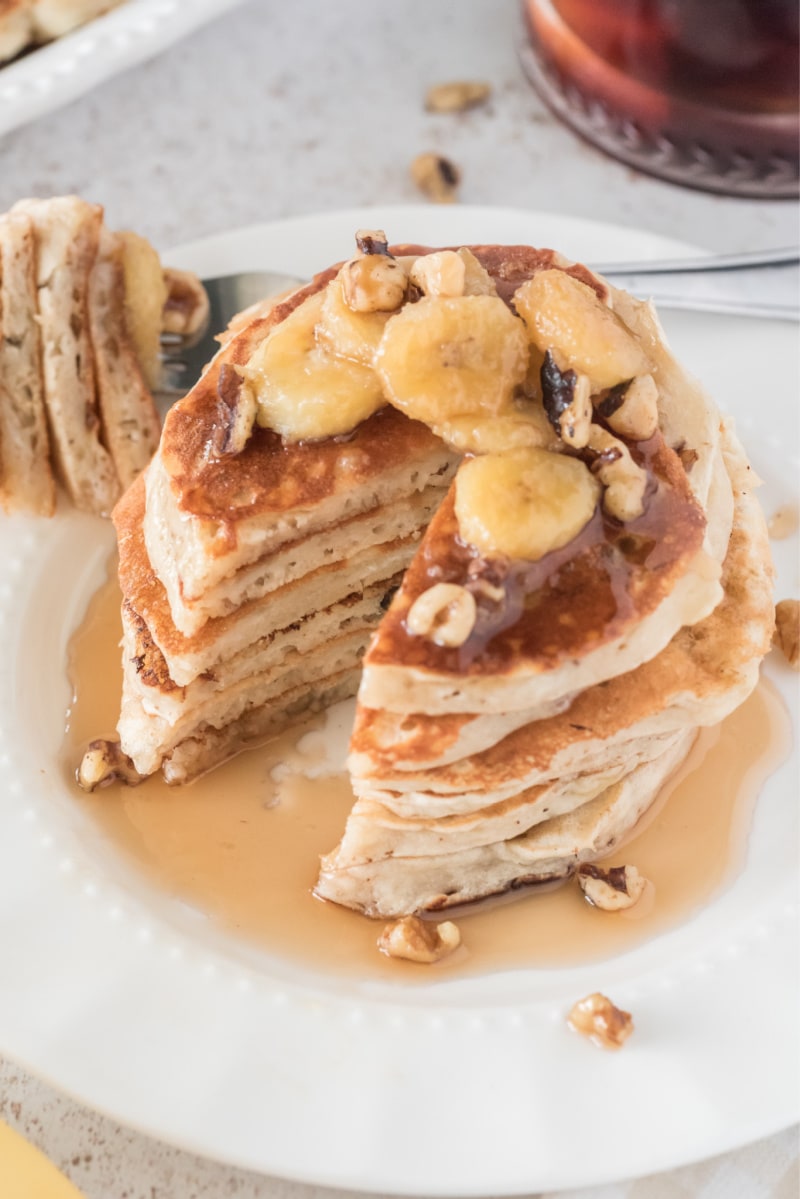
x=755, y=284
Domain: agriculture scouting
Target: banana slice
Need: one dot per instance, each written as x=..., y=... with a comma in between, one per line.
x=512, y=430
x=447, y=357
x=349, y=334
x=565, y=316
x=304, y=392
x=525, y=503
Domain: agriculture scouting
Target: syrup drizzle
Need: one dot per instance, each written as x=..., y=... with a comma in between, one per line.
x=241, y=845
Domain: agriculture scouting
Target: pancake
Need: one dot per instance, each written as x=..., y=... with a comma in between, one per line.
x=551, y=850
x=223, y=637
x=552, y=767
x=259, y=554
x=209, y=514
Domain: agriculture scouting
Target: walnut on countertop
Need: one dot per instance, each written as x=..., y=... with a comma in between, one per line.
x=457, y=96
x=437, y=177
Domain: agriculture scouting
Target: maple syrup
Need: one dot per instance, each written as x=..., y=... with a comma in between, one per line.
x=241, y=845
x=702, y=92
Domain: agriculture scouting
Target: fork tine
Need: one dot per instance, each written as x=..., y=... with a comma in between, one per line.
x=184, y=358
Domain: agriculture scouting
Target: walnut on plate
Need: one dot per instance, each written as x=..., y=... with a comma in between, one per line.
x=418, y=940
x=613, y=889
x=104, y=762
x=597, y=1018
x=437, y=177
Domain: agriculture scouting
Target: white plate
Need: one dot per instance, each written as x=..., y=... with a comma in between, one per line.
x=127, y=999
x=61, y=71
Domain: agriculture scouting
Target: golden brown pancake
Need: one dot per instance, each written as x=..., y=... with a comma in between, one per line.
x=253, y=575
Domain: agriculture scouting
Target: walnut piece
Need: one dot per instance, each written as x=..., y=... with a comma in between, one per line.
x=596, y=1017
x=611, y=890
x=624, y=481
x=373, y=282
x=437, y=177
x=787, y=630
x=631, y=408
x=457, y=96
x=372, y=241
x=103, y=763
x=418, y=940
x=445, y=614
x=567, y=402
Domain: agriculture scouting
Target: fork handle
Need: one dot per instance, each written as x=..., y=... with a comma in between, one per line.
x=763, y=284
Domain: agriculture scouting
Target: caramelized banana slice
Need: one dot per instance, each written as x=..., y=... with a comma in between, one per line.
x=565, y=316
x=512, y=430
x=349, y=334
x=525, y=503
x=304, y=392
x=447, y=357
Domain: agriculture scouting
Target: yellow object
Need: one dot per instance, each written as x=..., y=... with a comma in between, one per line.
x=525, y=503
x=25, y=1173
x=303, y=391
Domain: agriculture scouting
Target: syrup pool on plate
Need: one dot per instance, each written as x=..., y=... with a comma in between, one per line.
x=241, y=845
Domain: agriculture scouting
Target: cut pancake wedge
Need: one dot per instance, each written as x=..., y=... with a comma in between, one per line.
x=26, y=479
x=541, y=772
x=551, y=850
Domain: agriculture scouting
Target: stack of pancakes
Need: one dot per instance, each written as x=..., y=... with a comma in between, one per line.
x=465, y=796
x=253, y=580
x=255, y=571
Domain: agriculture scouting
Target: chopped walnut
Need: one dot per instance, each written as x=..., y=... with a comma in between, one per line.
x=418, y=940
x=567, y=402
x=104, y=762
x=372, y=241
x=456, y=97
x=373, y=282
x=611, y=890
x=437, y=177
x=445, y=614
x=440, y=274
x=631, y=408
x=787, y=630
x=576, y=419
x=596, y=1017
x=624, y=482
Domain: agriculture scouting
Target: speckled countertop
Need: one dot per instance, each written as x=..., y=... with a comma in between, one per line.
x=280, y=109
